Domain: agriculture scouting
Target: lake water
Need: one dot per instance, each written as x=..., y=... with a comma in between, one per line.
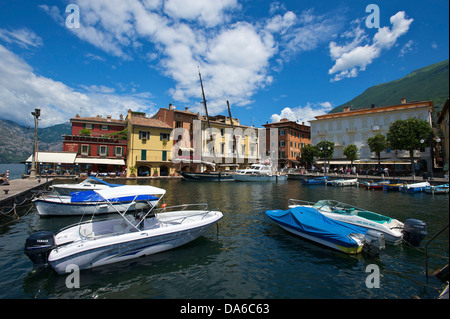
x=15, y=170
x=247, y=256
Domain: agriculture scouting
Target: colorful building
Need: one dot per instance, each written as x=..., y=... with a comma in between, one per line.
x=356, y=126
x=98, y=143
x=292, y=137
x=149, y=146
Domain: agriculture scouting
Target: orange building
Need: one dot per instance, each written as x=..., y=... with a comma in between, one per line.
x=292, y=137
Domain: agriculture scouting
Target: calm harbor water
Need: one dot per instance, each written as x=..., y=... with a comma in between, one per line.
x=247, y=256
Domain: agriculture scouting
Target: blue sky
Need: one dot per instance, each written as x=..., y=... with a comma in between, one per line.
x=269, y=59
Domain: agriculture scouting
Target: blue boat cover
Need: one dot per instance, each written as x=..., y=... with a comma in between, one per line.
x=311, y=222
x=92, y=196
x=105, y=183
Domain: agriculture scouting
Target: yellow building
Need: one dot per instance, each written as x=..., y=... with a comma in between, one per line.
x=230, y=145
x=149, y=146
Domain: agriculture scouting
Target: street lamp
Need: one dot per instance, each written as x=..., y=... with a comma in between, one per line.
x=431, y=146
x=36, y=114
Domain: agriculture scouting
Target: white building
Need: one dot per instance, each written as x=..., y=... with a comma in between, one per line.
x=356, y=126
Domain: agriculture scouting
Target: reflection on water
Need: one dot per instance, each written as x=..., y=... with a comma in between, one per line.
x=247, y=256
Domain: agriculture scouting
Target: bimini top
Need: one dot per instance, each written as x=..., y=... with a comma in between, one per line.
x=311, y=222
x=119, y=194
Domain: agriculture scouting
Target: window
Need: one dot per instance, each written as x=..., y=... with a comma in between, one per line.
x=88, y=126
x=164, y=156
x=102, y=150
x=104, y=127
x=143, y=155
x=118, y=150
x=282, y=132
x=85, y=150
x=281, y=143
x=144, y=135
x=164, y=136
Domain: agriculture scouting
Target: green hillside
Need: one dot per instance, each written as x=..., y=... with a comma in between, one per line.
x=430, y=83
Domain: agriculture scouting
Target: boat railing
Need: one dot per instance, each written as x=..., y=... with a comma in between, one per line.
x=202, y=210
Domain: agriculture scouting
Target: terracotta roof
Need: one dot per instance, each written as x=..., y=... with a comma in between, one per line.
x=97, y=119
x=144, y=121
x=411, y=105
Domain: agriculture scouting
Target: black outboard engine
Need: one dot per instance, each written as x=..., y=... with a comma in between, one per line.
x=414, y=231
x=38, y=246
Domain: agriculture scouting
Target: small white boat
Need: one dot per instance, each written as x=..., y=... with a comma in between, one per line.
x=345, y=182
x=103, y=201
x=89, y=184
x=97, y=243
x=392, y=229
x=258, y=173
x=415, y=187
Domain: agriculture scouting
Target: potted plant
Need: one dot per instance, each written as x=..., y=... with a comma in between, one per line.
x=155, y=172
x=132, y=171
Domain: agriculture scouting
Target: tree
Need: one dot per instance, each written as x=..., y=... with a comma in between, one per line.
x=325, y=151
x=308, y=153
x=377, y=144
x=351, y=152
x=407, y=135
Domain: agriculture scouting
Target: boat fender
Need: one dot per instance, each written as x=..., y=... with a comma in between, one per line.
x=414, y=231
x=374, y=242
x=38, y=246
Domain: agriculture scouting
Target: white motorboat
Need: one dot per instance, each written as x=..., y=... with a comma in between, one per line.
x=96, y=243
x=415, y=187
x=258, y=173
x=103, y=201
x=438, y=189
x=89, y=184
x=345, y=182
x=392, y=229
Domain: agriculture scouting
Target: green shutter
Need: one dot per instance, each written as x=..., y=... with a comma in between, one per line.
x=143, y=155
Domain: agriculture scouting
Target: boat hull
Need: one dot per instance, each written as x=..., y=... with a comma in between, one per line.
x=46, y=207
x=98, y=251
x=308, y=223
x=259, y=178
x=209, y=177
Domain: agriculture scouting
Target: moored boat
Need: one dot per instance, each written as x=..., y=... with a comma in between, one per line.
x=345, y=182
x=315, y=181
x=258, y=173
x=97, y=243
x=210, y=177
x=103, y=201
x=414, y=187
x=392, y=229
x=392, y=186
x=308, y=223
x=375, y=185
x=89, y=184
x=438, y=189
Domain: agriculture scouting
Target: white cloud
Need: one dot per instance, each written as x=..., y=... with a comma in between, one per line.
x=353, y=56
x=21, y=91
x=407, y=47
x=210, y=13
x=302, y=113
x=179, y=36
x=23, y=37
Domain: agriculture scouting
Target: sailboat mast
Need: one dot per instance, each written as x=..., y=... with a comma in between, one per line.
x=204, y=99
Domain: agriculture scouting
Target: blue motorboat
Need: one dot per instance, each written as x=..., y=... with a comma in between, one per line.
x=315, y=181
x=309, y=223
x=438, y=189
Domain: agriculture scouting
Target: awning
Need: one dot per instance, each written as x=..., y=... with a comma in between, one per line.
x=335, y=162
x=105, y=161
x=54, y=157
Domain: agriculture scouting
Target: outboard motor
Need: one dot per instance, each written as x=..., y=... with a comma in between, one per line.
x=38, y=246
x=374, y=242
x=414, y=231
